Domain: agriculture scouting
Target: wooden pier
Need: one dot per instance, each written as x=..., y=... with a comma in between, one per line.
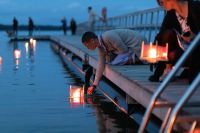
x=132, y=79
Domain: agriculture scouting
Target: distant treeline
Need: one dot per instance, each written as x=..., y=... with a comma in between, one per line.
x=37, y=27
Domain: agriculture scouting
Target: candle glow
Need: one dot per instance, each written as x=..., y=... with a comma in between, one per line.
x=17, y=54
x=154, y=53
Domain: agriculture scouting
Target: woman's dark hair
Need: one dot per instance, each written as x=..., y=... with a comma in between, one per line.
x=159, y=3
x=88, y=35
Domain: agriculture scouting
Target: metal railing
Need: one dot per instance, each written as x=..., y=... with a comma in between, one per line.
x=146, y=22
x=169, y=120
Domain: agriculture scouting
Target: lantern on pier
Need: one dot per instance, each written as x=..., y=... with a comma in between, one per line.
x=76, y=95
x=154, y=53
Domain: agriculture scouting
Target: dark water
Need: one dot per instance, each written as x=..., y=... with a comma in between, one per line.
x=34, y=96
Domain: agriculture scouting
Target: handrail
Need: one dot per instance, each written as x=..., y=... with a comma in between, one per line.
x=165, y=82
x=195, y=84
x=147, y=22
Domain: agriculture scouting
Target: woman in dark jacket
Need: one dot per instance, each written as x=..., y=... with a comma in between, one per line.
x=180, y=25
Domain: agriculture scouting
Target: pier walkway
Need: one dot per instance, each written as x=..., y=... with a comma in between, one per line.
x=132, y=79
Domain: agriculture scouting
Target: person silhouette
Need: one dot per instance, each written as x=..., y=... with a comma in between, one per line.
x=73, y=26
x=30, y=26
x=64, y=25
x=15, y=26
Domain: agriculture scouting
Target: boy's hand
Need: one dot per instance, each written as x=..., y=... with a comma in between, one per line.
x=91, y=89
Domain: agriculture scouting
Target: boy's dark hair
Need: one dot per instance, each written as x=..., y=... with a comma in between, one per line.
x=88, y=35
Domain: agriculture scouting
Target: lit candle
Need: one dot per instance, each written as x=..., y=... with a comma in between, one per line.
x=152, y=52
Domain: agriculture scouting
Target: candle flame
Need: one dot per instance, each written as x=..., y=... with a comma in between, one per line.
x=152, y=53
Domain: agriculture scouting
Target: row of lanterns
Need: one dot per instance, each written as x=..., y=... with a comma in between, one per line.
x=150, y=53
x=17, y=52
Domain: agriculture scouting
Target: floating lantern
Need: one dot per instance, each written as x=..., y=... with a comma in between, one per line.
x=0, y=60
x=76, y=95
x=31, y=40
x=17, y=54
x=26, y=47
x=32, y=44
x=153, y=53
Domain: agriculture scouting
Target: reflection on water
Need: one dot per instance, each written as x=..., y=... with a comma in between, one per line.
x=35, y=98
x=109, y=118
x=1, y=63
x=16, y=54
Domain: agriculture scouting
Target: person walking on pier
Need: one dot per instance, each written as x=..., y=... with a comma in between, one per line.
x=30, y=26
x=15, y=26
x=103, y=17
x=115, y=47
x=92, y=19
x=180, y=26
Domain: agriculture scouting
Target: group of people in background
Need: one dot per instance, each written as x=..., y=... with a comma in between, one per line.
x=92, y=17
x=72, y=27
x=180, y=26
x=31, y=26
x=16, y=26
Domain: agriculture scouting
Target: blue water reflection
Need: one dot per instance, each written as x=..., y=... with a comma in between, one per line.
x=35, y=95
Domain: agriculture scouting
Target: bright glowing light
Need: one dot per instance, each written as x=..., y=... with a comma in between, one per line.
x=17, y=54
x=165, y=54
x=76, y=95
x=26, y=47
x=152, y=53
x=33, y=44
x=31, y=40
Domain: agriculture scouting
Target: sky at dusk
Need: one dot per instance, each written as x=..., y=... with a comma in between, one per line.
x=52, y=11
